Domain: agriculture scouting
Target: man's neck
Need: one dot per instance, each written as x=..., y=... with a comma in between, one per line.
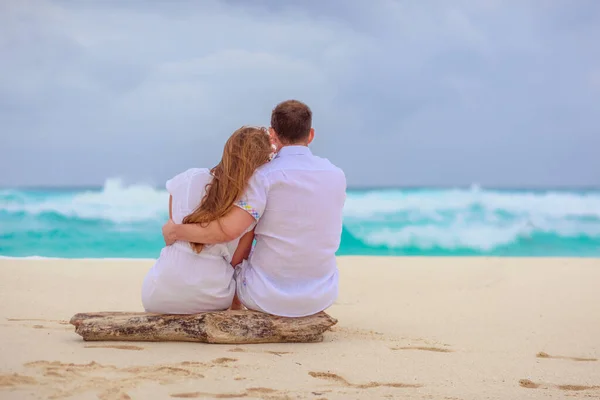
x=305, y=144
x=293, y=149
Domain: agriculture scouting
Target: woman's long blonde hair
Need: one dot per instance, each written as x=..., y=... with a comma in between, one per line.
x=247, y=149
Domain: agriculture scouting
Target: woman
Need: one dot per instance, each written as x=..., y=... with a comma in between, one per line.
x=189, y=278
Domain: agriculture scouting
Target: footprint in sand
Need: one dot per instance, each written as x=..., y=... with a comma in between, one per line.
x=224, y=360
x=237, y=350
x=278, y=353
x=16, y=380
x=254, y=392
x=343, y=381
x=275, y=353
x=423, y=348
x=195, y=395
x=541, y=354
x=68, y=380
x=526, y=383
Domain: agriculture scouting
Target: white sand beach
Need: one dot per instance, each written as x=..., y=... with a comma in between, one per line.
x=415, y=328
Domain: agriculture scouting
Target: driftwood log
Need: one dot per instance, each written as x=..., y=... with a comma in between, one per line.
x=224, y=327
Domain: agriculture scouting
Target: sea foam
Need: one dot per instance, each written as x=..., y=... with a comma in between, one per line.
x=121, y=220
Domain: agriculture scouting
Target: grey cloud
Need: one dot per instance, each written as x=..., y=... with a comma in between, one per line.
x=418, y=93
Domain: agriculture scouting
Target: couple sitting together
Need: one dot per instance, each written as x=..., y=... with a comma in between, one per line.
x=290, y=204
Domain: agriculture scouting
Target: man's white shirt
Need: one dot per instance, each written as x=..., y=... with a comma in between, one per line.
x=298, y=200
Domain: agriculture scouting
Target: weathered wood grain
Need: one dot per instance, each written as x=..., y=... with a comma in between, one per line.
x=224, y=327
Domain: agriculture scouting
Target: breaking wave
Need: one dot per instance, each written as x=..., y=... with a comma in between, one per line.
x=120, y=220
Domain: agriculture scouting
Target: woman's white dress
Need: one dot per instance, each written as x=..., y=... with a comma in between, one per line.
x=182, y=281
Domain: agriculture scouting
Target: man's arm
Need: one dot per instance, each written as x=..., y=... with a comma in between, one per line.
x=230, y=227
x=246, y=211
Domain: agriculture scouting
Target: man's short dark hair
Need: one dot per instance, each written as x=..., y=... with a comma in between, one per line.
x=292, y=120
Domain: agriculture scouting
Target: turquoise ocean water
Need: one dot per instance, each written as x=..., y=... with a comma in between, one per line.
x=124, y=221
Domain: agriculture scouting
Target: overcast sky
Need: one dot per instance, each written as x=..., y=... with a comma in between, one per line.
x=427, y=92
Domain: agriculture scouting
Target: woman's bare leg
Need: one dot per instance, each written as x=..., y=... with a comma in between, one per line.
x=236, y=304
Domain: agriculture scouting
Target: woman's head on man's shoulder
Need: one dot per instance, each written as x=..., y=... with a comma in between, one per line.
x=247, y=148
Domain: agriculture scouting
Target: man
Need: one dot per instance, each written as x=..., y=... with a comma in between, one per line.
x=297, y=199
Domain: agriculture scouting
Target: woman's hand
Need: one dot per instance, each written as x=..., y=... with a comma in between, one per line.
x=168, y=231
